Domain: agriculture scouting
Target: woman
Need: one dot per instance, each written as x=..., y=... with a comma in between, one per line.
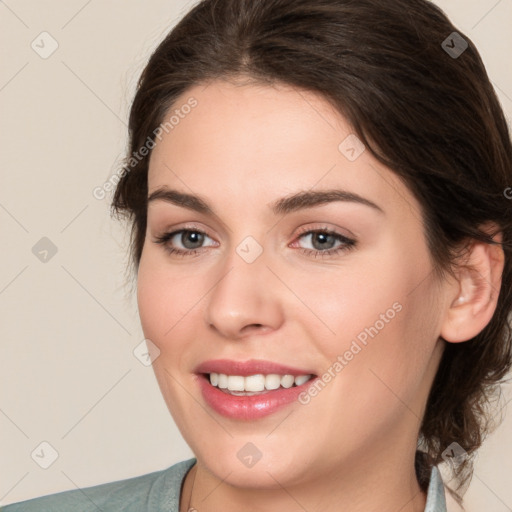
x=322, y=240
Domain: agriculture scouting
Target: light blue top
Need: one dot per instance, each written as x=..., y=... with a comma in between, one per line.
x=154, y=492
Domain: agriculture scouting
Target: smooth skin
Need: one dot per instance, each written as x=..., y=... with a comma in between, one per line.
x=241, y=149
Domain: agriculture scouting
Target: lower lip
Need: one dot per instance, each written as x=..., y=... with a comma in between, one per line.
x=249, y=407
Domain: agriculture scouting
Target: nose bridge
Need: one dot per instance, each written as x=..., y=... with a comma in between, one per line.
x=244, y=294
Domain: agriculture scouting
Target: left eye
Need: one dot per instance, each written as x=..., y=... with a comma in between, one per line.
x=321, y=240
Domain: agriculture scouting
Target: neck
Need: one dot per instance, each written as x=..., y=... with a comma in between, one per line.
x=364, y=486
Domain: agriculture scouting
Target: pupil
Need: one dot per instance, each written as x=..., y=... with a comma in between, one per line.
x=323, y=238
x=192, y=239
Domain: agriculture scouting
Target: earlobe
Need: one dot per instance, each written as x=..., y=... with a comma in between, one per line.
x=476, y=292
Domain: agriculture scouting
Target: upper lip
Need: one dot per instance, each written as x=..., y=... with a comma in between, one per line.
x=250, y=367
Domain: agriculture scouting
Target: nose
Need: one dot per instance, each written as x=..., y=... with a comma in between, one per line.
x=244, y=300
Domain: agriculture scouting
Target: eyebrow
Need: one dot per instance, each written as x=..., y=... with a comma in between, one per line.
x=298, y=201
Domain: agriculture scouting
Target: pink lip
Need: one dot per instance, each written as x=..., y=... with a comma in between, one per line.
x=248, y=407
x=251, y=367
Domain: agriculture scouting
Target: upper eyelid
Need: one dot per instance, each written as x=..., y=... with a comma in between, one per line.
x=302, y=231
x=209, y=216
x=324, y=228
x=174, y=231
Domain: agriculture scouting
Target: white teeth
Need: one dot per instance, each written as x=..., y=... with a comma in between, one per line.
x=223, y=380
x=301, y=379
x=256, y=383
x=287, y=381
x=236, y=383
x=272, y=381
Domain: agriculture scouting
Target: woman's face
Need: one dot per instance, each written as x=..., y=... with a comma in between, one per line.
x=338, y=285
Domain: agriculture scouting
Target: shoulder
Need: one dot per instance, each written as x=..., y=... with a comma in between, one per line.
x=154, y=492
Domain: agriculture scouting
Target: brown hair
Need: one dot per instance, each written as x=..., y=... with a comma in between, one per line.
x=432, y=117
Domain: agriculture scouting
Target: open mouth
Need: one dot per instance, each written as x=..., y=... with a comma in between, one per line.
x=257, y=384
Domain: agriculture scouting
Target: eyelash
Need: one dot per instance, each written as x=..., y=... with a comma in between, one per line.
x=348, y=243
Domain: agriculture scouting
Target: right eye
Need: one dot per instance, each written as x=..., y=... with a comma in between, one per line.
x=191, y=240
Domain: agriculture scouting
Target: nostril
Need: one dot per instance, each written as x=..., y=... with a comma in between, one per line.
x=252, y=326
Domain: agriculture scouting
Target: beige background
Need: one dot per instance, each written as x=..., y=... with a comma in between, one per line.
x=69, y=326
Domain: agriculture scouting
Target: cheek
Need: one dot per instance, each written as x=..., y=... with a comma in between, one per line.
x=382, y=323
x=152, y=297
x=164, y=300
x=349, y=303
x=166, y=308
x=385, y=362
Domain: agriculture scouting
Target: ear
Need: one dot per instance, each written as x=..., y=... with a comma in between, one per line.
x=472, y=299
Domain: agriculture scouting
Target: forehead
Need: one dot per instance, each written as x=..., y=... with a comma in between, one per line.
x=249, y=119
x=265, y=141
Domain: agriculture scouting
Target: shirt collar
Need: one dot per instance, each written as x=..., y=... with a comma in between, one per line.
x=435, y=496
